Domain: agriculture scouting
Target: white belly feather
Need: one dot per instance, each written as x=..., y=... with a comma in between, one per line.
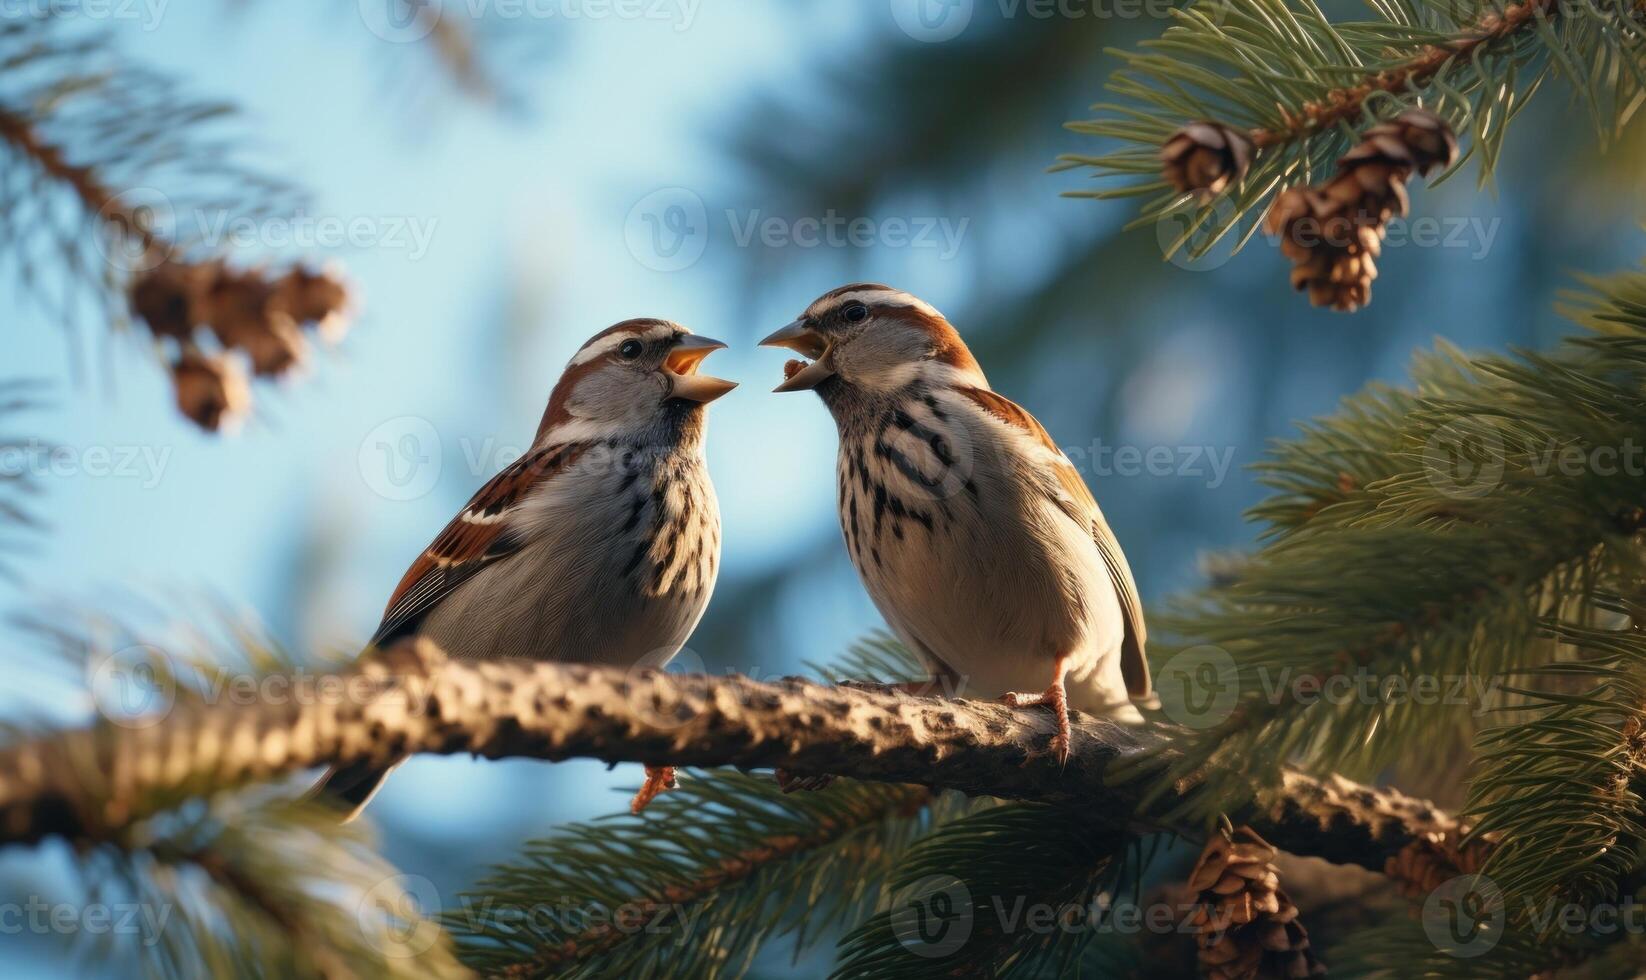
x=1003, y=583
x=583, y=588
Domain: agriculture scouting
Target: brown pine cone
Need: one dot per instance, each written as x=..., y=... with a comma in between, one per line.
x=277, y=349
x=1433, y=859
x=1371, y=179
x=1246, y=927
x=1333, y=251
x=211, y=391
x=248, y=311
x=235, y=304
x=1205, y=157
x=245, y=310
x=166, y=297
x=1426, y=139
x=317, y=299
x=1333, y=232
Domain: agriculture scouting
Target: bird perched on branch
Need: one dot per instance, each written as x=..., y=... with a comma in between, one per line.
x=973, y=533
x=600, y=545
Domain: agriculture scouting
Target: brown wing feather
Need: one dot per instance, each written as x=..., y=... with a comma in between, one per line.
x=1134, y=663
x=1082, y=507
x=476, y=537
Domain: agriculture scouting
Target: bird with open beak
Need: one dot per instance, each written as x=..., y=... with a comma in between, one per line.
x=971, y=530
x=600, y=545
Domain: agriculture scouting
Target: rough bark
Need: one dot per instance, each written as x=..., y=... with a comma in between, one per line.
x=91, y=784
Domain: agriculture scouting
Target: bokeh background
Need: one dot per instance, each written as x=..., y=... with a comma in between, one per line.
x=687, y=159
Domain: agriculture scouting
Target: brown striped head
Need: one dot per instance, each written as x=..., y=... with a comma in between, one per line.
x=873, y=338
x=628, y=379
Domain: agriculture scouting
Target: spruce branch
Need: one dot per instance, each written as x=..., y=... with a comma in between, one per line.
x=1347, y=103
x=476, y=52
x=125, y=220
x=90, y=783
x=1296, y=87
x=1401, y=946
x=1581, y=752
x=113, y=179
x=964, y=894
x=246, y=884
x=727, y=855
x=1432, y=532
x=453, y=47
x=256, y=888
x=18, y=486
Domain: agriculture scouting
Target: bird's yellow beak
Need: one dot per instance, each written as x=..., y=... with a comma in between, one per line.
x=680, y=367
x=803, y=340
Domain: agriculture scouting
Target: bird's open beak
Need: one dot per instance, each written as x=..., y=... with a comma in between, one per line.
x=803, y=340
x=681, y=369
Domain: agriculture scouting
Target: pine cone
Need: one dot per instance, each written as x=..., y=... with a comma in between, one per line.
x=211, y=391
x=1333, y=232
x=1433, y=859
x=318, y=299
x=1246, y=927
x=1333, y=253
x=1424, y=136
x=248, y=311
x=235, y=304
x=1205, y=157
x=166, y=298
x=276, y=349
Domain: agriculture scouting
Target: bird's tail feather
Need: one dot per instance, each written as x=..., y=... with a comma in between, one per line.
x=352, y=786
x=1106, y=698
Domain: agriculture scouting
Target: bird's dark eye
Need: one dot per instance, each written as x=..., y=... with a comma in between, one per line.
x=630, y=349
x=857, y=313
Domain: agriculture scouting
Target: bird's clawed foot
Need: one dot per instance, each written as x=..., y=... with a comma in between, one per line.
x=658, y=779
x=1054, y=698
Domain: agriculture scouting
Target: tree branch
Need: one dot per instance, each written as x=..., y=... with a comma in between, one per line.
x=94, y=196
x=94, y=783
x=454, y=48
x=1346, y=104
x=726, y=872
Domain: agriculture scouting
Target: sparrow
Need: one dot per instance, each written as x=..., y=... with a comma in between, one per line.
x=972, y=532
x=599, y=545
